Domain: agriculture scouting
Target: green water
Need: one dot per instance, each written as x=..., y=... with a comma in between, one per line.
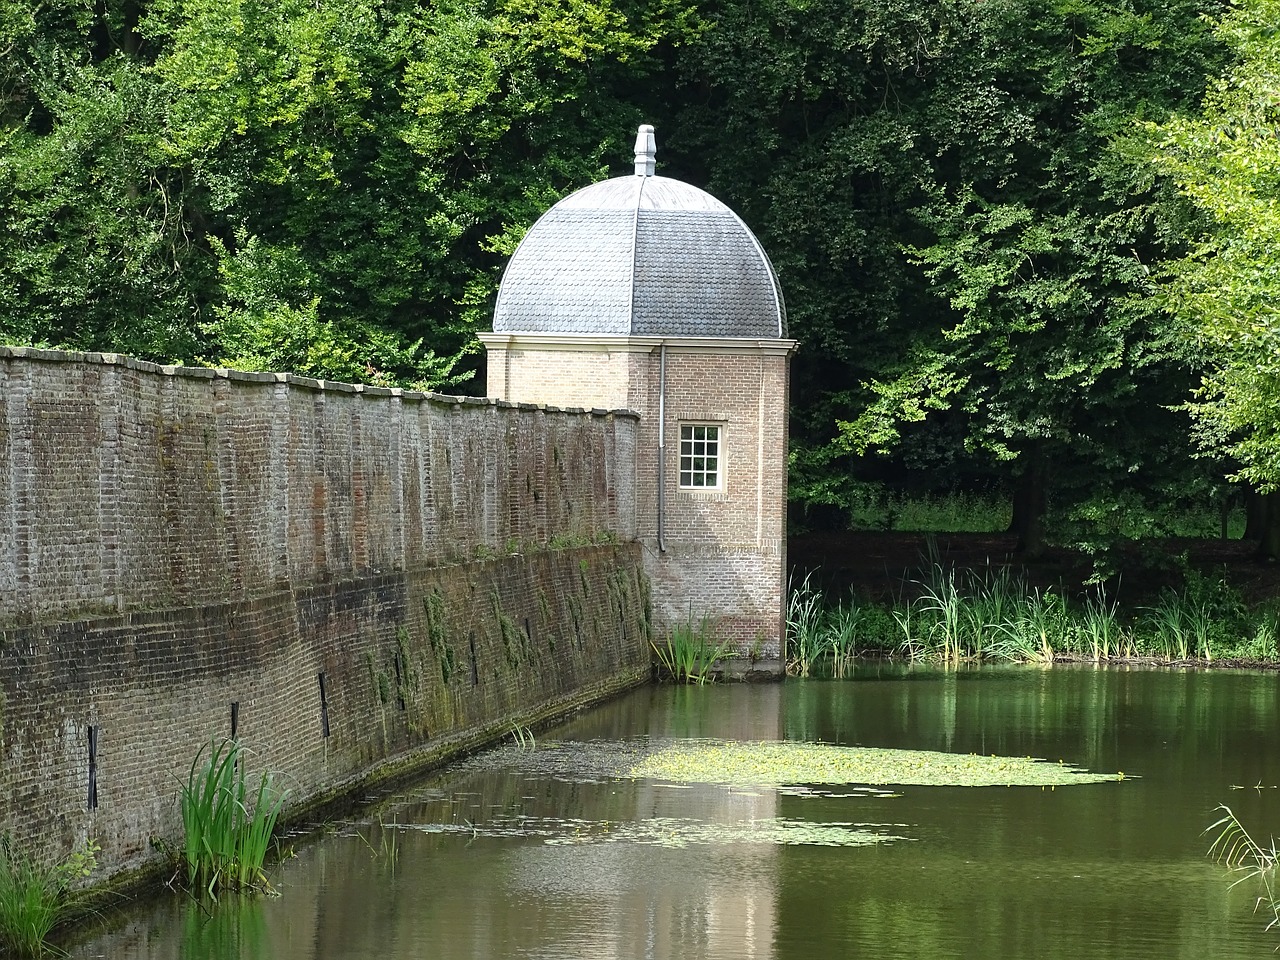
x=488, y=863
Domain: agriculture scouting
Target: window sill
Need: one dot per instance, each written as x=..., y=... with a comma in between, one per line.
x=708, y=495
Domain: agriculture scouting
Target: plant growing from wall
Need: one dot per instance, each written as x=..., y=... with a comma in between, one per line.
x=379, y=680
x=433, y=607
x=547, y=621
x=576, y=614
x=618, y=586
x=34, y=898
x=406, y=674
x=515, y=644
x=226, y=833
x=646, y=604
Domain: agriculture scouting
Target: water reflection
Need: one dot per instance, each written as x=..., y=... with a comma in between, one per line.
x=504, y=863
x=239, y=929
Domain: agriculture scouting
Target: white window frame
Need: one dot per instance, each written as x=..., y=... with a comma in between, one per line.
x=701, y=441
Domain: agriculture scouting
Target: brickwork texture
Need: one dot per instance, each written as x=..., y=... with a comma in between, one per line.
x=363, y=578
x=714, y=557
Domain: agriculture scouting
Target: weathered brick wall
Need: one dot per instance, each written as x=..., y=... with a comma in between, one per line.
x=723, y=553
x=125, y=487
x=180, y=541
x=411, y=662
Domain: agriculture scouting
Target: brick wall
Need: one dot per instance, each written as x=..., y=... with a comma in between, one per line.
x=180, y=541
x=722, y=553
x=725, y=555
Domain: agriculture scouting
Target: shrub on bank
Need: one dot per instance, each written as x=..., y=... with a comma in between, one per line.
x=35, y=898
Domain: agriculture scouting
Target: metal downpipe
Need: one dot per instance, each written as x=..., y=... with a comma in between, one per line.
x=662, y=440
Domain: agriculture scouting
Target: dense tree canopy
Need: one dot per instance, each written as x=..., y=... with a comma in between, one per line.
x=327, y=187
x=1226, y=159
x=966, y=244
x=960, y=197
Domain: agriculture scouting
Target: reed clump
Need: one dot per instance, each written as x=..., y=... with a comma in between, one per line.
x=35, y=898
x=1234, y=847
x=821, y=636
x=691, y=653
x=226, y=831
x=952, y=615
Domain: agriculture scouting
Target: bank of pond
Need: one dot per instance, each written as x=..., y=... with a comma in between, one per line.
x=909, y=811
x=991, y=614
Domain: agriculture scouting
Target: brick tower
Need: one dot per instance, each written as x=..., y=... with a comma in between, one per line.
x=646, y=293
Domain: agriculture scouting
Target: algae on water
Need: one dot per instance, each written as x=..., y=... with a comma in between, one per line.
x=674, y=831
x=744, y=769
x=780, y=763
x=784, y=764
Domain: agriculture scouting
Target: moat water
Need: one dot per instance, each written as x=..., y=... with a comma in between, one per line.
x=476, y=862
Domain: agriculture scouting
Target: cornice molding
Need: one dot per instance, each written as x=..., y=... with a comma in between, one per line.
x=603, y=343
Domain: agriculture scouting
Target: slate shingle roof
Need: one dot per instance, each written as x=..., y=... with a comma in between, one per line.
x=644, y=256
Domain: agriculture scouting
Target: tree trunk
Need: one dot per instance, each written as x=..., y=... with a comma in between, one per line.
x=1255, y=514
x=1269, y=540
x=1029, y=505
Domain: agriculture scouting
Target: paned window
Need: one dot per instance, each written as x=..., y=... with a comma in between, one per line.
x=700, y=453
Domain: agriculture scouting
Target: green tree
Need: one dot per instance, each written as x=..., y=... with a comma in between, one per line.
x=1225, y=291
x=96, y=255
x=391, y=154
x=329, y=185
x=963, y=249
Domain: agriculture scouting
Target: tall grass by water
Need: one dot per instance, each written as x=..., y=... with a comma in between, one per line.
x=35, y=898
x=1234, y=847
x=691, y=653
x=954, y=615
x=820, y=633
x=227, y=832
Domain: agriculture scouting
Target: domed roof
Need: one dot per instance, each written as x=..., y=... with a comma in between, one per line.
x=641, y=255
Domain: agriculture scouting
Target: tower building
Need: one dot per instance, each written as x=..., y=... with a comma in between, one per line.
x=646, y=293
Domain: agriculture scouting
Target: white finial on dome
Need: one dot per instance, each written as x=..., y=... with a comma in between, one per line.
x=646, y=150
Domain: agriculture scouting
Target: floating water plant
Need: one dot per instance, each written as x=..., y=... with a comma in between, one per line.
x=786, y=764
x=226, y=835
x=674, y=831
x=775, y=763
x=742, y=769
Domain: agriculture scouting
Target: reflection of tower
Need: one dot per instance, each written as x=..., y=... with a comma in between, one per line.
x=637, y=901
x=646, y=293
x=736, y=901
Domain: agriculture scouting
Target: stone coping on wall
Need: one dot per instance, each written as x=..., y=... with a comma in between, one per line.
x=293, y=379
